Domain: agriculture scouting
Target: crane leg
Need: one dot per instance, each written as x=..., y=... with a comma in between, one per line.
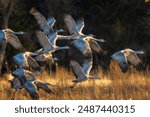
x=74, y=84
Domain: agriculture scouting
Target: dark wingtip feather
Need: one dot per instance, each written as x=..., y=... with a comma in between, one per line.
x=35, y=96
x=103, y=53
x=38, y=68
x=140, y=67
x=75, y=81
x=124, y=70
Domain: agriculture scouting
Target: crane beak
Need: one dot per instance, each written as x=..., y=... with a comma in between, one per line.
x=20, y=33
x=56, y=59
x=100, y=40
x=139, y=52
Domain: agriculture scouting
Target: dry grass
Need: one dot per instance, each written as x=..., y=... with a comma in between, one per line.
x=112, y=86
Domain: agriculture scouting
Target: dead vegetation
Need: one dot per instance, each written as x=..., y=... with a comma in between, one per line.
x=113, y=86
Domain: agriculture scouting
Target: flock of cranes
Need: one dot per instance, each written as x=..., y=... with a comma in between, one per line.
x=47, y=37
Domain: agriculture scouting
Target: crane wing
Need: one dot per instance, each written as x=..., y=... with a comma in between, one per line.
x=121, y=59
x=77, y=70
x=43, y=86
x=80, y=24
x=41, y=20
x=31, y=88
x=135, y=61
x=13, y=40
x=43, y=39
x=94, y=46
x=33, y=63
x=71, y=25
x=51, y=21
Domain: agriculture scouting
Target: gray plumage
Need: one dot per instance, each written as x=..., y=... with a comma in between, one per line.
x=24, y=75
x=31, y=88
x=43, y=85
x=71, y=25
x=75, y=29
x=15, y=84
x=83, y=46
x=52, y=38
x=41, y=20
x=51, y=21
x=2, y=36
x=8, y=36
x=25, y=60
x=80, y=24
x=27, y=80
x=87, y=65
x=96, y=47
x=128, y=55
x=43, y=57
x=45, y=25
x=84, y=43
x=46, y=44
x=79, y=73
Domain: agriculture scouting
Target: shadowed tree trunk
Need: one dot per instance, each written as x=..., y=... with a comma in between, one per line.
x=2, y=54
x=7, y=12
x=6, y=15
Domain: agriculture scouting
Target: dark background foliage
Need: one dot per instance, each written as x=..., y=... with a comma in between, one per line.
x=123, y=23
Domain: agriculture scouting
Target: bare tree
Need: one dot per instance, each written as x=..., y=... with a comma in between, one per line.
x=7, y=7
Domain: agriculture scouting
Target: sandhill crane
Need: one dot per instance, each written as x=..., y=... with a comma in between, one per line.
x=76, y=29
x=87, y=65
x=27, y=80
x=86, y=49
x=16, y=85
x=8, y=36
x=46, y=44
x=93, y=44
x=44, y=57
x=21, y=76
x=79, y=73
x=25, y=60
x=86, y=46
x=43, y=85
x=24, y=75
x=45, y=25
x=80, y=24
x=83, y=46
x=128, y=55
x=46, y=60
x=41, y=20
x=32, y=88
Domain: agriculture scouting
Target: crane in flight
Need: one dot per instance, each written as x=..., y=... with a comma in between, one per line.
x=123, y=57
x=80, y=74
x=26, y=79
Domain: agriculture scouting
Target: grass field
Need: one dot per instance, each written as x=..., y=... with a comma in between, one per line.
x=113, y=85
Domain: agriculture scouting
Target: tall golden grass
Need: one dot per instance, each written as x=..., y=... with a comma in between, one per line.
x=114, y=85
